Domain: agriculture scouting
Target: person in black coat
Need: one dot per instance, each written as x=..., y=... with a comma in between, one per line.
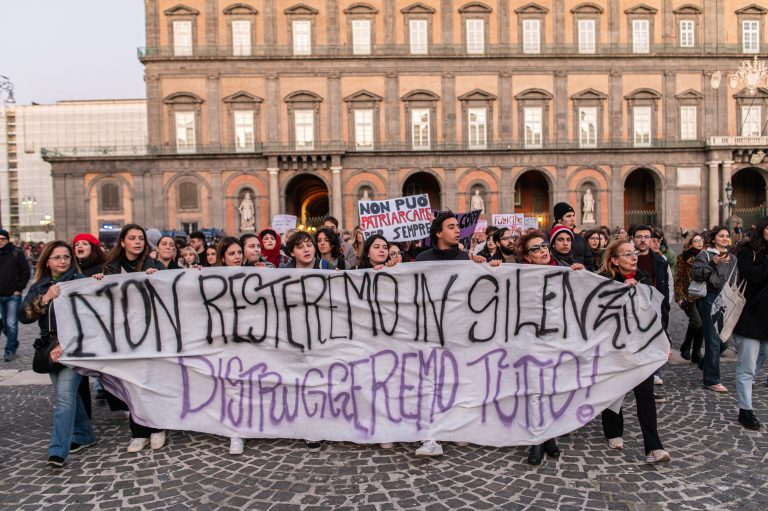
x=14, y=275
x=565, y=215
x=72, y=429
x=751, y=332
x=130, y=255
x=620, y=264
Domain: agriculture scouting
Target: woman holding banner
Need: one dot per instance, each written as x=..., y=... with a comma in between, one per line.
x=252, y=252
x=167, y=253
x=72, y=429
x=130, y=255
x=620, y=264
x=561, y=240
x=532, y=248
x=376, y=253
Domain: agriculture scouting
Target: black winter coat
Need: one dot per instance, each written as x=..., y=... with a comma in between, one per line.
x=435, y=254
x=581, y=253
x=14, y=270
x=753, y=267
x=32, y=308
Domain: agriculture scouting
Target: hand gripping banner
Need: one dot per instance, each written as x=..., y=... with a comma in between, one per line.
x=455, y=351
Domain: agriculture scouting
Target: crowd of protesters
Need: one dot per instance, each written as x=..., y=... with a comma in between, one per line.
x=637, y=255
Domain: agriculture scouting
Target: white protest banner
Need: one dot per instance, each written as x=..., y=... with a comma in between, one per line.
x=511, y=220
x=452, y=351
x=530, y=222
x=401, y=219
x=283, y=223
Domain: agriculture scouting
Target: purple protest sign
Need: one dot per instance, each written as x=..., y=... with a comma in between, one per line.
x=467, y=224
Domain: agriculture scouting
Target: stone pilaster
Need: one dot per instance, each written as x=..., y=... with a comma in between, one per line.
x=614, y=23
x=211, y=22
x=561, y=106
x=506, y=107
x=270, y=22
x=335, y=110
x=504, y=21
x=213, y=104
x=337, y=200
x=615, y=106
x=390, y=22
x=332, y=21
x=218, y=217
x=392, y=107
x=670, y=106
x=616, y=214
x=154, y=109
x=274, y=192
x=507, y=192
x=446, y=21
x=448, y=107
x=559, y=27
x=713, y=189
x=151, y=23
x=272, y=104
x=450, y=189
x=393, y=184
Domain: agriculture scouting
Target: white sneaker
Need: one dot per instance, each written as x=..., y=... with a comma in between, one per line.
x=236, y=445
x=657, y=380
x=616, y=443
x=657, y=456
x=157, y=440
x=429, y=448
x=387, y=445
x=461, y=444
x=137, y=444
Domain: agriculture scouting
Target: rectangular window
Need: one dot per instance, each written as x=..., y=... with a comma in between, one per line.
x=532, y=121
x=302, y=37
x=475, y=36
x=418, y=36
x=244, y=132
x=686, y=34
x=750, y=36
x=305, y=128
x=361, y=37
x=751, y=121
x=641, y=42
x=185, y=132
x=586, y=36
x=641, y=116
x=364, y=129
x=189, y=227
x=182, y=38
x=420, y=128
x=241, y=38
x=588, y=127
x=531, y=36
x=688, y=130
x=477, y=128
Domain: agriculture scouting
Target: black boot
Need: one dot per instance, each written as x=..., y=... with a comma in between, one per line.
x=551, y=448
x=698, y=340
x=536, y=454
x=746, y=418
x=685, y=348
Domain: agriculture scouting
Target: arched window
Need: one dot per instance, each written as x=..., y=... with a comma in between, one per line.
x=188, y=195
x=109, y=197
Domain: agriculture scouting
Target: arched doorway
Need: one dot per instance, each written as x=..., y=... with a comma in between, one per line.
x=749, y=190
x=640, y=198
x=532, y=197
x=307, y=198
x=424, y=182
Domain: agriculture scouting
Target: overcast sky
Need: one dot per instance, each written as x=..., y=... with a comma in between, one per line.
x=54, y=50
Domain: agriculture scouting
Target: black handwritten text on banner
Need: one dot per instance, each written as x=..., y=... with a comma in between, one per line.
x=447, y=351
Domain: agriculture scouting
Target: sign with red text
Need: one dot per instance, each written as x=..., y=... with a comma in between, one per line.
x=401, y=219
x=511, y=220
x=454, y=351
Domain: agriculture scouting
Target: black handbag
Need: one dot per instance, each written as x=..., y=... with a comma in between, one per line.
x=41, y=362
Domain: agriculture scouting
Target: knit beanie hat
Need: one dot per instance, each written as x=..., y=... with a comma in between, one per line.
x=90, y=238
x=556, y=230
x=561, y=208
x=3, y=232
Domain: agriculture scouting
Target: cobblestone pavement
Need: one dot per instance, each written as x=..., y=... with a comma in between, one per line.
x=716, y=464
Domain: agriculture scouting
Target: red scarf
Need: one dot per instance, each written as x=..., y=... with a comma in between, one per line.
x=272, y=255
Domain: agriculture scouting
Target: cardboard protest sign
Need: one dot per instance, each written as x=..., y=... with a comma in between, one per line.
x=481, y=226
x=511, y=220
x=401, y=219
x=452, y=351
x=467, y=223
x=530, y=222
x=283, y=223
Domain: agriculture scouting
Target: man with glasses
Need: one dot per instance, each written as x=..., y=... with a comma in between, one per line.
x=14, y=275
x=505, y=240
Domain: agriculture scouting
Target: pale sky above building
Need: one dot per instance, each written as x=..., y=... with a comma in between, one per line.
x=56, y=50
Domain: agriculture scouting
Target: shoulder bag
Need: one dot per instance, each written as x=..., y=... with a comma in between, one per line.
x=41, y=361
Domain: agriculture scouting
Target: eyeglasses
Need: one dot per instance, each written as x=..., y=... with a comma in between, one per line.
x=636, y=253
x=507, y=238
x=697, y=240
x=3, y=238
x=395, y=254
x=536, y=248
x=58, y=259
x=643, y=236
x=594, y=238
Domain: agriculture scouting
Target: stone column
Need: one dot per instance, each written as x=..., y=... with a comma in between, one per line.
x=274, y=192
x=332, y=21
x=450, y=189
x=273, y=103
x=709, y=30
x=506, y=194
x=668, y=22
x=270, y=22
x=561, y=106
x=710, y=105
x=446, y=21
x=561, y=185
x=723, y=185
x=448, y=107
x=392, y=107
x=159, y=216
x=154, y=110
x=393, y=185
x=390, y=22
x=214, y=108
x=506, y=107
x=151, y=23
x=218, y=217
x=714, y=190
x=140, y=204
x=559, y=21
x=337, y=206
x=335, y=110
x=614, y=20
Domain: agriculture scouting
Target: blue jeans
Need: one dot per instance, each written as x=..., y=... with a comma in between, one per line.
x=70, y=422
x=9, y=320
x=749, y=351
x=710, y=364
